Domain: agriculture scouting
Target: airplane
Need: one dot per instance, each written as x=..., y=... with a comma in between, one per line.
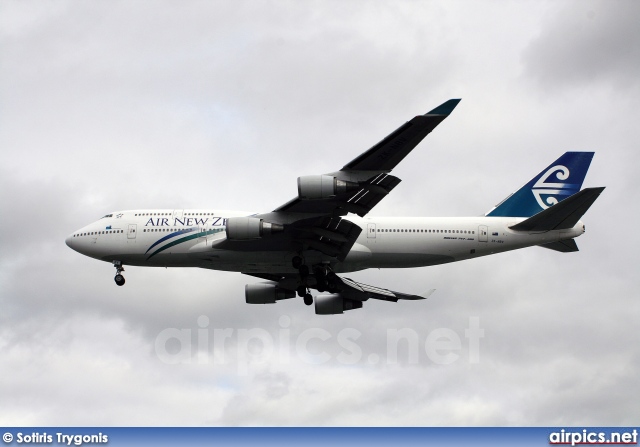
x=325, y=230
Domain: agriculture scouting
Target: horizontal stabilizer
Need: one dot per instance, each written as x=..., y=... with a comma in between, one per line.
x=566, y=246
x=563, y=215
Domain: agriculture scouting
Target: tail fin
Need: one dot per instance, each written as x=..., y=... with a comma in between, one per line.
x=544, y=189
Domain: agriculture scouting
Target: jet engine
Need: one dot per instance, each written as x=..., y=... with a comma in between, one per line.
x=266, y=293
x=335, y=304
x=241, y=228
x=323, y=187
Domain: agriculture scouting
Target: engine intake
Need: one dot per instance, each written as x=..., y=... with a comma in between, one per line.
x=266, y=293
x=242, y=228
x=323, y=186
x=335, y=304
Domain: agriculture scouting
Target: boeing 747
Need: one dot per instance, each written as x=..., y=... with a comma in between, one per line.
x=325, y=230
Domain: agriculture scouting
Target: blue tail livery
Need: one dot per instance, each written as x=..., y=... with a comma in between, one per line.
x=556, y=182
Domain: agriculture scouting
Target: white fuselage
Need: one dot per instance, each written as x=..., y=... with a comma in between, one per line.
x=188, y=238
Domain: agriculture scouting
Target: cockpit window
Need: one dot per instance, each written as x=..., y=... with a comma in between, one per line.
x=108, y=215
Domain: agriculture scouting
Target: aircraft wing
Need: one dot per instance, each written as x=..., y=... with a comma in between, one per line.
x=367, y=174
x=385, y=155
x=362, y=292
x=352, y=290
x=316, y=222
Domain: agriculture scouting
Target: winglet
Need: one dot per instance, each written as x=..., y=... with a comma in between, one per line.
x=445, y=108
x=427, y=294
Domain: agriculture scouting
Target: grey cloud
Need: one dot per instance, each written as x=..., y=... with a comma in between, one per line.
x=587, y=42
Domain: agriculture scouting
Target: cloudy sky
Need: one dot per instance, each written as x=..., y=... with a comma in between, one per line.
x=118, y=105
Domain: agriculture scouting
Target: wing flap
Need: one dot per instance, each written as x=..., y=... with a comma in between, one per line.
x=333, y=236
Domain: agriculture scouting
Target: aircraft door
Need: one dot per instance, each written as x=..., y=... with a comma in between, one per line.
x=371, y=231
x=483, y=233
x=131, y=232
x=177, y=213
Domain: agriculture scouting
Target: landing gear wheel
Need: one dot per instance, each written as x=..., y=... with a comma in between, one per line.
x=119, y=279
x=296, y=262
x=308, y=299
x=302, y=291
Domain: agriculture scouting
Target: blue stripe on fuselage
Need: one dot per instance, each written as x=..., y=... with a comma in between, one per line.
x=169, y=236
x=184, y=239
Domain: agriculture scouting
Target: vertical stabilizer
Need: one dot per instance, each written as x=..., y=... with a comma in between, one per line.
x=556, y=182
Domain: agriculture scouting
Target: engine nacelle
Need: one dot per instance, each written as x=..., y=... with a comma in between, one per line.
x=335, y=304
x=266, y=293
x=241, y=228
x=323, y=186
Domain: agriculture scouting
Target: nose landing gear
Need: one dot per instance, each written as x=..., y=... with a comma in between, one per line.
x=119, y=279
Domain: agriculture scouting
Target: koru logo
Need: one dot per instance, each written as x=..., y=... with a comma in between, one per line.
x=546, y=191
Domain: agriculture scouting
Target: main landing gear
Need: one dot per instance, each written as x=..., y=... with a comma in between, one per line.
x=303, y=290
x=325, y=279
x=119, y=279
x=304, y=293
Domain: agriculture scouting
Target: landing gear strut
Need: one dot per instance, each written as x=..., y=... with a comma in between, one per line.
x=119, y=279
x=298, y=263
x=332, y=282
x=326, y=279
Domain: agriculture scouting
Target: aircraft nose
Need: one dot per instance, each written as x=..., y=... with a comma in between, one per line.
x=70, y=242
